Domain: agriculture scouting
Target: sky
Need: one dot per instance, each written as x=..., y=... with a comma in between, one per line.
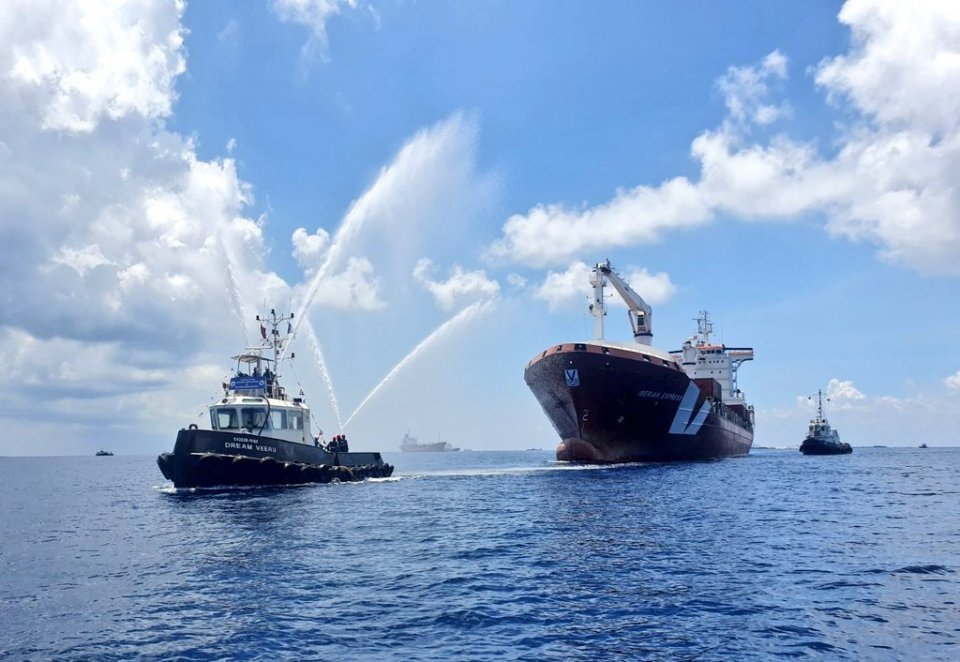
x=424, y=184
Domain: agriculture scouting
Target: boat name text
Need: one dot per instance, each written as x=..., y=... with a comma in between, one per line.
x=241, y=444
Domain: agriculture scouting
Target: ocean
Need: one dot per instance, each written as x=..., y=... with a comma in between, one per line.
x=490, y=556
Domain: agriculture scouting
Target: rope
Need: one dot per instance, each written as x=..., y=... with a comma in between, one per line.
x=300, y=386
x=213, y=398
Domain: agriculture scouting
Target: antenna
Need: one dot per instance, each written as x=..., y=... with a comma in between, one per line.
x=274, y=340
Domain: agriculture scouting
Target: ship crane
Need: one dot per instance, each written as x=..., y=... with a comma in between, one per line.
x=638, y=310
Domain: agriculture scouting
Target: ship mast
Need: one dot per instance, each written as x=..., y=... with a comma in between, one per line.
x=275, y=342
x=704, y=327
x=820, y=405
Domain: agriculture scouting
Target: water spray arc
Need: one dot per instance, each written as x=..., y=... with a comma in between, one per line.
x=348, y=229
x=234, y=291
x=463, y=316
x=324, y=372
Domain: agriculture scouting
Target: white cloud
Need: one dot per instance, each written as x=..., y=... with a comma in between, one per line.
x=309, y=249
x=516, y=281
x=355, y=288
x=138, y=250
x=891, y=182
x=902, y=60
x=81, y=260
x=460, y=289
x=953, y=381
x=112, y=61
x=314, y=15
x=571, y=288
x=565, y=289
x=550, y=234
x=745, y=90
x=842, y=393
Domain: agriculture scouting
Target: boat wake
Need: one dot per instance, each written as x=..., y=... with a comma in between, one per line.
x=513, y=471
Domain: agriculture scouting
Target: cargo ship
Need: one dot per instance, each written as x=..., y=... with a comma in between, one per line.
x=410, y=445
x=616, y=402
x=822, y=439
x=257, y=434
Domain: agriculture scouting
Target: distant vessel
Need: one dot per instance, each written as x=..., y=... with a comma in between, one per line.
x=615, y=402
x=923, y=445
x=257, y=435
x=821, y=438
x=103, y=453
x=410, y=445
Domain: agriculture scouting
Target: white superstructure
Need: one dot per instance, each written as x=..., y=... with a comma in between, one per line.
x=702, y=359
x=255, y=402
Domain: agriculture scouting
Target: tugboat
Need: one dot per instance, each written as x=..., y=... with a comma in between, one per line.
x=257, y=435
x=821, y=438
x=617, y=402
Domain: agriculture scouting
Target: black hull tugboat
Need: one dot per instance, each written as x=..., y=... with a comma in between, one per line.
x=617, y=402
x=821, y=438
x=259, y=436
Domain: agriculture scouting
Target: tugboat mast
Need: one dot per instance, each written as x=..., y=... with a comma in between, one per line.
x=274, y=321
x=820, y=406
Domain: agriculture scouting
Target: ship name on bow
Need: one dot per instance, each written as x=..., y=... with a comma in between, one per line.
x=659, y=395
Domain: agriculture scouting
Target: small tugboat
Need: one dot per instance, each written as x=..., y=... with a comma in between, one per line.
x=257, y=435
x=103, y=453
x=821, y=438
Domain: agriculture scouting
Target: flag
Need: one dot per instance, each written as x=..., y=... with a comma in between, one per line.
x=263, y=331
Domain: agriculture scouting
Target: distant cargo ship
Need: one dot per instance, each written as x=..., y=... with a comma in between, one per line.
x=616, y=402
x=411, y=445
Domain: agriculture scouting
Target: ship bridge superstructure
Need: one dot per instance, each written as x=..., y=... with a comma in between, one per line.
x=253, y=399
x=701, y=358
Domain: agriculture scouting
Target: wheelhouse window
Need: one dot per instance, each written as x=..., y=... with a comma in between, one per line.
x=278, y=420
x=295, y=420
x=226, y=419
x=253, y=417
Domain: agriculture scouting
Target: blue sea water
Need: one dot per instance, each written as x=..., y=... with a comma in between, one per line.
x=494, y=555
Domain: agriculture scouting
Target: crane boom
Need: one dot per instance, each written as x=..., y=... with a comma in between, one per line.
x=638, y=310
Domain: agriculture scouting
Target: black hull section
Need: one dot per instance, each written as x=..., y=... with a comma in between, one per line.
x=811, y=446
x=212, y=458
x=621, y=408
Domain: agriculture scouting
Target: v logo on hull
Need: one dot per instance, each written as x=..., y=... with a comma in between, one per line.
x=681, y=420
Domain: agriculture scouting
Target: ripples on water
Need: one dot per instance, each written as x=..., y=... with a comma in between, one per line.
x=490, y=556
